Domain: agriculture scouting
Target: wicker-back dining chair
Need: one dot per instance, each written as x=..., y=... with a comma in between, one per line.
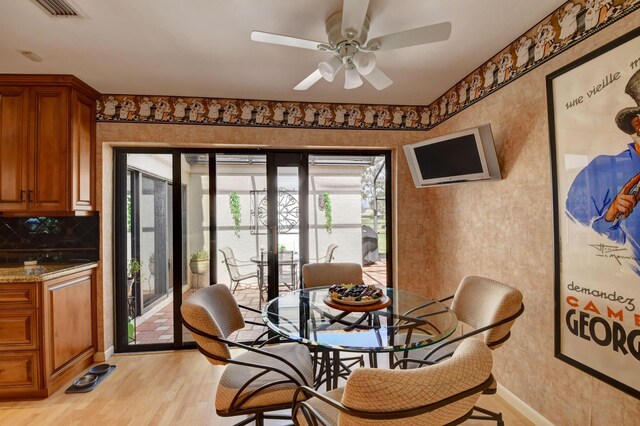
x=255, y=382
x=324, y=274
x=489, y=308
x=440, y=394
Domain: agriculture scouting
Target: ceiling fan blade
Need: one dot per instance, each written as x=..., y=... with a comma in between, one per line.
x=378, y=79
x=353, y=14
x=414, y=37
x=309, y=81
x=285, y=40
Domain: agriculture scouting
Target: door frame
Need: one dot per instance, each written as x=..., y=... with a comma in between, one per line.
x=278, y=157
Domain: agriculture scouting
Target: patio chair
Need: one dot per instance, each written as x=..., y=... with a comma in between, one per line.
x=490, y=308
x=257, y=381
x=440, y=394
x=288, y=269
x=324, y=274
x=329, y=255
x=233, y=268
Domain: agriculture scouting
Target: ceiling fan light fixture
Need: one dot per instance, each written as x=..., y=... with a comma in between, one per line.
x=352, y=78
x=348, y=38
x=365, y=62
x=329, y=69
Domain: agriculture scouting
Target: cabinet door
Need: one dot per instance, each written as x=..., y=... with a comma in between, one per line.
x=19, y=372
x=13, y=148
x=82, y=152
x=69, y=320
x=18, y=295
x=49, y=149
x=18, y=329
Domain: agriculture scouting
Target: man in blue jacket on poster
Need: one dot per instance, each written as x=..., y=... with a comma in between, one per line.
x=605, y=194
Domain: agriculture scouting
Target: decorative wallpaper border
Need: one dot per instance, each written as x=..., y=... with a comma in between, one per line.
x=573, y=22
x=212, y=111
x=568, y=25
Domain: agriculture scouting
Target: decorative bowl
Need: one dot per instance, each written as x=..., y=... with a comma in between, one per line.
x=355, y=294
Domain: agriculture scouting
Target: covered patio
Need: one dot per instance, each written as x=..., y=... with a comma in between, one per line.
x=159, y=325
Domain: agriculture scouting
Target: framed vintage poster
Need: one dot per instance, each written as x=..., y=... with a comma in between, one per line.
x=594, y=124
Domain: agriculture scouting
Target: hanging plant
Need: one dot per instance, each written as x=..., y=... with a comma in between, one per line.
x=234, y=206
x=128, y=213
x=328, y=219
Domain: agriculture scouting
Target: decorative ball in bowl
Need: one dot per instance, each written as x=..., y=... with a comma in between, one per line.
x=86, y=381
x=355, y=294
x=99, y=369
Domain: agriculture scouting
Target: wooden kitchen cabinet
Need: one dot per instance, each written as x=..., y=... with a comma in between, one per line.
x=83, y=146
x=14, y=142
x=47, y=332
x=47, y=145
x=48, y=149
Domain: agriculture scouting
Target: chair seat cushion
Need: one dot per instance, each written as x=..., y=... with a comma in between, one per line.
x=329, y=413
x=236, y=376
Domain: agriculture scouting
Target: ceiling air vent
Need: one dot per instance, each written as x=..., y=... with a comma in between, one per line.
x=57, y=8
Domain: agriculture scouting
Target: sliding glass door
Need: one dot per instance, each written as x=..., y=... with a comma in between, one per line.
x=239, y=241
x=187, y=219
x=348, y=213
x=145, y=266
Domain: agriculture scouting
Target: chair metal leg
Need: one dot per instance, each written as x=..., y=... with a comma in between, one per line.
x=259, y=419
x=336, y=369
x=246, y=421
x=373, y=360
x=329, y=366
x=487, y=415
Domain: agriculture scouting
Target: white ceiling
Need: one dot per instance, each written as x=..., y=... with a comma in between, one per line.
x=202, y=47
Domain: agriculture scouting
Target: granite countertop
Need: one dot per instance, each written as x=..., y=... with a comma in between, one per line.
x=15, y=273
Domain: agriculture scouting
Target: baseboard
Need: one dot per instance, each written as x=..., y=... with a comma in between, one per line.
x=521, y=407
x=103, y=356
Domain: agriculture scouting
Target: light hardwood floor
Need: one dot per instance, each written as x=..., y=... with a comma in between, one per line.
x=170, y=388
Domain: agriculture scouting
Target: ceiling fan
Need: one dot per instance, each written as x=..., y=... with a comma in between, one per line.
x=347, y=32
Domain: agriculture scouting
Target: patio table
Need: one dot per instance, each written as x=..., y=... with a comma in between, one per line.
x=411, y=321
x=284, y=259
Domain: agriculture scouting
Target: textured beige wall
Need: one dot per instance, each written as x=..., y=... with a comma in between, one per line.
x=504, y=230
x=409, y=220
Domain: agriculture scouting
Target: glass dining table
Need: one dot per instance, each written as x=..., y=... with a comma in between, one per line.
x=410, y=321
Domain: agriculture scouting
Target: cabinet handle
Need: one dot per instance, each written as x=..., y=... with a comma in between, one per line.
x=29, y=198
x=22, y=191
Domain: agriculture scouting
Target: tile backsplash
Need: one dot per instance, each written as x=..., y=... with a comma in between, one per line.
x=49, y=239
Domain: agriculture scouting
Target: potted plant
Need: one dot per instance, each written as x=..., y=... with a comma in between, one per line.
x=199, y=262
x=133, y=271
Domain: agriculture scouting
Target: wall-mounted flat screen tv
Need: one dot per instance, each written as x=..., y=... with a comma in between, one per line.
x=463, y=156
